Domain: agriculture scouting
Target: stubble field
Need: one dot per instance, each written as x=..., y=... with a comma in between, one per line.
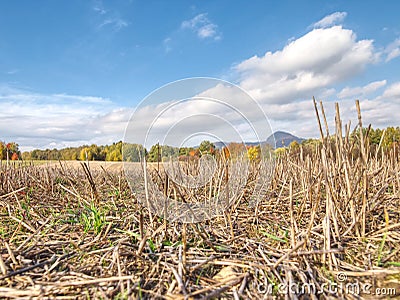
x=328, y=227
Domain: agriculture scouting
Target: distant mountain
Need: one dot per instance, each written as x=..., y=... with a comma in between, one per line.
x=282, y=139
x=276, y=140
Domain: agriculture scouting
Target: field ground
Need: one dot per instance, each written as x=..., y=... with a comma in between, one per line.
x=328, y=227
x=108, y=165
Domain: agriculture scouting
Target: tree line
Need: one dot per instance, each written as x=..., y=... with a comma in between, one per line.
x=131, y=152
x=86, y=152
x=386, y=138
x=383, y=139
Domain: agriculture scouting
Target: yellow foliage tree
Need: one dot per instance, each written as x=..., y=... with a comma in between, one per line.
x=86, y=154
x=253, y=153
x=280, y=151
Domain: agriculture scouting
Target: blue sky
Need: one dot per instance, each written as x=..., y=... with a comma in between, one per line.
x=71, y=72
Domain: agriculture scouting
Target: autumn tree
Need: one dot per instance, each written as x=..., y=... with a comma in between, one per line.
x=294, y=147
x=185, y=151
x=311, y=145
x=26, y=155
x=154, y=154
x=237, y=150
x=253, y=153
x=2, y=151
x=194, y=152
x=114, y=152
x=392, y=135
x=375, y=136
x=7, y=150
x=133, y=152
x=206, y=147
x=279, y=152
x=86, y=154
x=161, y=152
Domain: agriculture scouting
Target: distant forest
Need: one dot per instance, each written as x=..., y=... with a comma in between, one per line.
x=386, y=138
x=113, y=152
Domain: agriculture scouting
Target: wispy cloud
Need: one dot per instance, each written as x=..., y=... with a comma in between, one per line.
x=115, y=22
x=393, y=91
x=82, y=99
x=202, y=26
x=12, y=71
x=363, y=91
x=329, y=20
x=392, y=50
x=109, y=18
x=167, y=44
x=207, y=31
x=98, y=7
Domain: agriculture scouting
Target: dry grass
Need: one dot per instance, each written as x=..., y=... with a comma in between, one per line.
x=329, y=215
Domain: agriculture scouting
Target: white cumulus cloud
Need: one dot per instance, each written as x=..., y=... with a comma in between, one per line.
x=306, y=66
